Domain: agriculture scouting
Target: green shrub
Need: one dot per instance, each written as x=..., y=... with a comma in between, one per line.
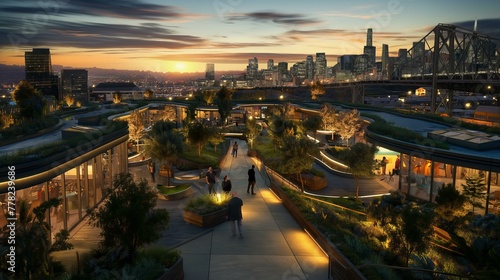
x=163, y=256
x=208, y=203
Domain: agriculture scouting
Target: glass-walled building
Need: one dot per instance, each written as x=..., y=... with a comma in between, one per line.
x=77, y=177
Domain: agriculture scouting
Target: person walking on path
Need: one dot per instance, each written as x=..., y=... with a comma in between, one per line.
x=152, y=169
x=211, y=178
x=251, y=179
x=234, y=215
x=384, y=163
x=226, y=185
x=235, y=149
x=397, y=165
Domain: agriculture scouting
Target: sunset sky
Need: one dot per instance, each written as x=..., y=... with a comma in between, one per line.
x=184, y=35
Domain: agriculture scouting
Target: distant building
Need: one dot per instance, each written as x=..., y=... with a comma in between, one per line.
x=369, y=50
x=74, y=82
x=38, y=70
x=385, y=60
x=270, y=64
x=320, y=66
x=282, y=72
x=355, y=63
x=252, y=69
x=210, y=72
x=104, y=91
x=309, y=67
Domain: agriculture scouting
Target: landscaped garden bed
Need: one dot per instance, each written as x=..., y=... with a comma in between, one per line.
x=174, y=192
x=207, y=210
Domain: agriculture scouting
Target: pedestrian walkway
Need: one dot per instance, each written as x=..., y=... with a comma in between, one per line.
x=273, y=247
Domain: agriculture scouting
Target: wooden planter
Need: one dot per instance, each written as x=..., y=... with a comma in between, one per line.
x=208, y=220
x=175, y=272
x=314, y=183
x=176, y=196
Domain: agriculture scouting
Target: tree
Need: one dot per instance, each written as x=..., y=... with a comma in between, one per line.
x=348, y=123
x=411, y=230
x=449, y=205
x=128, y=217
x=297, y=155
x=70, y=100
x=317, y=89
x=209, y=96
x=148, y=94
x=252, y=130
x=360, y=160
x=198, y=135
x=224, y=97
x=330, y=118
x=117, y=97
x=313, y=123
x=474, y=190
x=280, y=127
x=163, y=143
x=216, y=137
x=33, y=240
x=136, y=127
x=29, y=101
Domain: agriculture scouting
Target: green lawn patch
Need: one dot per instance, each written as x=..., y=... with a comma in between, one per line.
x=171, y=190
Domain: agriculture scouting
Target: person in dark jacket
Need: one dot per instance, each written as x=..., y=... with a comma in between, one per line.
x=226, y=185
x=234, y=215
x=251, y=179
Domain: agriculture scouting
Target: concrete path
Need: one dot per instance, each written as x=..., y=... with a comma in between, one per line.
x=273, y=246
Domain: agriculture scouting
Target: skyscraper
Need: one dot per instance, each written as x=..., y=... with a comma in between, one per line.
x=385, y=60
x=210, y=72
x=270, y=64
x=369, y=36
x=38, y=71
x=74, y=82
x=320, y=69
x=369, y=50
x=309, y=67
x=252, y=68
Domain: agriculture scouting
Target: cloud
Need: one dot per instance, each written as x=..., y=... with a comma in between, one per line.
x=123, y=9
x=241, y=57
x=278, y=18
x=103, y=36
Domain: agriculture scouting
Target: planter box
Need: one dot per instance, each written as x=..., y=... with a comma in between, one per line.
x=176, y=196
x=208, y=220
x=314, y=183
x=175, y=272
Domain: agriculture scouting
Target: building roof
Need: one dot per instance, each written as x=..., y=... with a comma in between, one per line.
x=120, y=86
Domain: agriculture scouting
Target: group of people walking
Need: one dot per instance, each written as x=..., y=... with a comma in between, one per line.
x=234, y=214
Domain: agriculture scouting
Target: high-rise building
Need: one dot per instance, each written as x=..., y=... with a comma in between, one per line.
x=385, y=60
x=270, y=64
x=210, y=72
x=309, y=67
x=369, y=50
x=369, y=37
x=252, y=68
x=320, y=67
x=282, y=72
x=74, y=82
x=38, y=71
x=354, y=63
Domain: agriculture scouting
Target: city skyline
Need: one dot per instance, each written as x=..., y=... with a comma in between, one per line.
x=185, y=37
